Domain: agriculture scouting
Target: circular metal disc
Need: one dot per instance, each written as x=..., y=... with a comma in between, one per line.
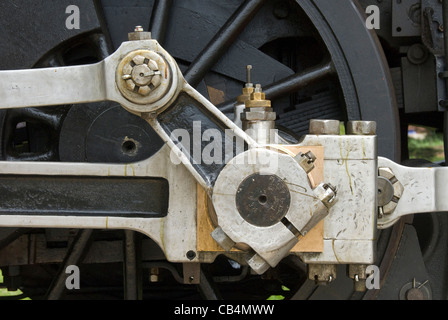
x=263, y=200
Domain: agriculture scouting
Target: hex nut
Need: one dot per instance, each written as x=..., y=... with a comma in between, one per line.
x=324, y=127
x=386, y=173
x=365, y=128
x=139, y=34
x=143, y=77
x=258, y=116
x=398, y=190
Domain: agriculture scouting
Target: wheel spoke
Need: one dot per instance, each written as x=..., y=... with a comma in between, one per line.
x=221, y=41
x=74, y=256
x=160, y=19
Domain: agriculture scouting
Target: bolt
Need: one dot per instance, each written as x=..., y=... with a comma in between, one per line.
x=248, y=76
x=326, y=193
x=358, y=273
x=191, y=255
x=322, y=274
x=417, y=54
x=281, y=11
x=223, y=240
x=310, y=156
x=139, y=34
x=258, y=264
x=154, y=275
x=306, y=161
x=324, y=127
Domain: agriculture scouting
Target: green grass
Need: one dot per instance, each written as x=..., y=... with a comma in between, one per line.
x=430, y=148
x=5, y=293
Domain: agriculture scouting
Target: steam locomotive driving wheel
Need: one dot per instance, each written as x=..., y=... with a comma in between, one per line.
x=314, y=59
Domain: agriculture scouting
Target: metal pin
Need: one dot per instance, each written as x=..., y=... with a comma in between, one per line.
x=248, y=75
x=420, y=286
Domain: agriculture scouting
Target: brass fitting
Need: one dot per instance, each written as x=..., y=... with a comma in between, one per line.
x=247, y=91
x=258, y=99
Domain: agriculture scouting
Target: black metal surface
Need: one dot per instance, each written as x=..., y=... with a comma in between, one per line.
x=160, y=19
x=263, y=200
x=220, y=43
x=106, y=133
x=40, y=123
x=22, y=44
x=197, y=21
x=189, y=116
x=84, y=196
x=120, y=18
x=419, y=83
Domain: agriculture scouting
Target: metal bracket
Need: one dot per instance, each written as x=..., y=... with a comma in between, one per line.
x=424, y=190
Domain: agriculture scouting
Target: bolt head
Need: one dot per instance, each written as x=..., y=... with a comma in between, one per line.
x=142, y=75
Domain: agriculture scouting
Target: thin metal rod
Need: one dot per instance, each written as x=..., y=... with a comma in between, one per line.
x=290, y=84
x=13, y=235
x=74, y=256
x=159, y=19
x=132, y=283
x=298, y=81
x=207, y=287
x=221, y=41
x=248, y=74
